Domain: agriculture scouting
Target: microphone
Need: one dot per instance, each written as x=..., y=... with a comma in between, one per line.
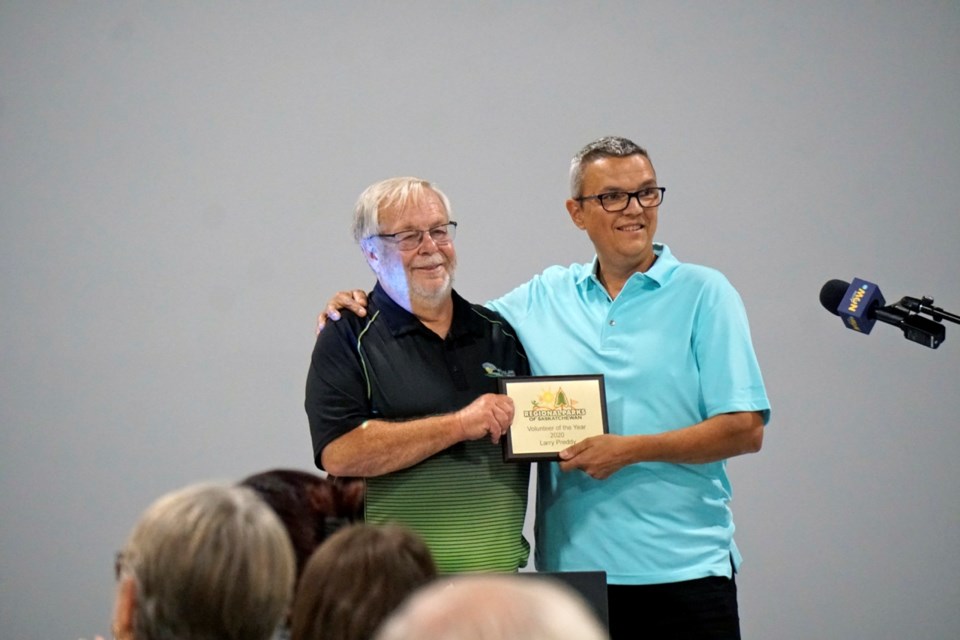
x=855, y=302
x=860, y=304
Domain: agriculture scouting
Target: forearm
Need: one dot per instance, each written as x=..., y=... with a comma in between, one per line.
x=378, y=447
x=717, y=438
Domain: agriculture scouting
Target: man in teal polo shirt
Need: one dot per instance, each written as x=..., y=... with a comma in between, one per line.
x=648, y=502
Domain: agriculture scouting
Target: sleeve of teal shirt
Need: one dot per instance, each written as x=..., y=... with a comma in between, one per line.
x=730, y=378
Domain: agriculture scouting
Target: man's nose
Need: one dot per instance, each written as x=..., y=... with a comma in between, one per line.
x=427, y=244
x=633, y=204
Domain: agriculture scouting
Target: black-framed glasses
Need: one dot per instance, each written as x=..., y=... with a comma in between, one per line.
x=406, y=240
x=617, y=201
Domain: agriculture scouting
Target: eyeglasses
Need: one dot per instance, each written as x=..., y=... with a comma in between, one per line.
x=617, y=201
x=411, y=239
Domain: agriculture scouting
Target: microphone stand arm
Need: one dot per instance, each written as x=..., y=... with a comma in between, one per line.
x=925, y=306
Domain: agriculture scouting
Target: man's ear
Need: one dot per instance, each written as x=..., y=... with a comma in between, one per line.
x=575, y=209
x=124, y=611
x=370, y=252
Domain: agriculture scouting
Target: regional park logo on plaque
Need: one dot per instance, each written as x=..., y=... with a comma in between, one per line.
x=553, y=404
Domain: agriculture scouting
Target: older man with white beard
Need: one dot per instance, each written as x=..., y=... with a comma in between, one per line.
x=406, y=396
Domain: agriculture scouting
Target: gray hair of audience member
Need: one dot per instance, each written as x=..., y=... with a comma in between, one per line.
x=207, y=561
x=605, y=147
x=494, y=607
x=396, y=192
x=355, y=579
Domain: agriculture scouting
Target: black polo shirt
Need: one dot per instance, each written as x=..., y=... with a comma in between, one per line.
x=465, y=502
x=388, y=365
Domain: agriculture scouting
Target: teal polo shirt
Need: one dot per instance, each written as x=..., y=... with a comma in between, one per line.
x=675, y=349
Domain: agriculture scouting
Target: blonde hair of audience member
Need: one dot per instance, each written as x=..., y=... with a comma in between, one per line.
x=494, y=607
x=355, y=579
x=206, y=561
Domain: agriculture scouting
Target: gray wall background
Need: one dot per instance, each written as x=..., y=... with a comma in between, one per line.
x=176, y=181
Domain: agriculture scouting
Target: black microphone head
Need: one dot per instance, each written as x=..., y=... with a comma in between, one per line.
x=832, y=293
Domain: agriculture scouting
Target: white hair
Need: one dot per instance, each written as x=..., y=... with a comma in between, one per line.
x=494, y=607
x=386, y=193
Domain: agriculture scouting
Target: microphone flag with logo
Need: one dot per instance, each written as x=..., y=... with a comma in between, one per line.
x=860, y=299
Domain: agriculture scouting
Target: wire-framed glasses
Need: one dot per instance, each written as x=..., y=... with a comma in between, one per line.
x=406, y=240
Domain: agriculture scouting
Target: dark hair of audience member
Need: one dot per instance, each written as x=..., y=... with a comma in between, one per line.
x=355, y=580
x=311, y=507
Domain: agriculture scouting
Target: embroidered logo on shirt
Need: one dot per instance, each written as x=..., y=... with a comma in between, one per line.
x=493, y=371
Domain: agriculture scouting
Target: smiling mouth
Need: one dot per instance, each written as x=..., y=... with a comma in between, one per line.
x=632, y=227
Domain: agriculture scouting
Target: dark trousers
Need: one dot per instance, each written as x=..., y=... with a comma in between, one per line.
x=704, y=609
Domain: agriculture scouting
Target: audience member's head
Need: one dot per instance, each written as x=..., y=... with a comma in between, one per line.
x=311, y=507
x=494, y=607
x=356, y=579
x=206, y=561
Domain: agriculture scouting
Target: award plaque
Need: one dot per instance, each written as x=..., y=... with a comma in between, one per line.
x=551, y=413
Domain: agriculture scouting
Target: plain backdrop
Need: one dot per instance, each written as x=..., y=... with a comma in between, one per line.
x=176, y=184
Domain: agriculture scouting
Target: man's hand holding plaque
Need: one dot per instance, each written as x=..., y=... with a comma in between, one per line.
x=552, y=413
